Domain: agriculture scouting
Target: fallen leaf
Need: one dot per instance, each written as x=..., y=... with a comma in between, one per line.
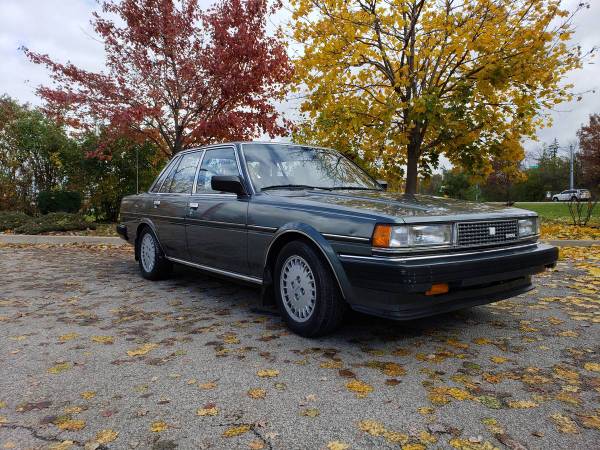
x=267, y=373
x=88, y=395
x=257, y=393
x=236, y=430
x=522, y=404
x=71, y=424
x=337, y=445
x=58, y=368
x=207, y=385
x=68, y=337
x=360, y=388
x=158, y=426
x=208, y=410
x=142, y=350
x=592, y=367
x=106, y=436
x=64, y=445
x=106, y=340
x=256, y=445
x=564, y=423
x=310, y=412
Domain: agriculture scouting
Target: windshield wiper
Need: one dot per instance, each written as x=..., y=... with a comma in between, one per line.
x=353, y=188
x=292, y=186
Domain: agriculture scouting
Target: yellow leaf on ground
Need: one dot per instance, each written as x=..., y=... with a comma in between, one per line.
x=210, y=411
x=311, y=412
x=257, y=393
x=522, y=404
x=360, y=388
x=64, y=445
x=331, y=364
x=68, y=337
x=103, y=339
x=267, y=373
x=158, y=426
x=237, y=430
x=142, y=350
x=592, y=367
x=207, y=385
x=372, y=427
x=498, y=359
x=564, y=423
x=58, y=368
x=71, y=424
x=106, y=436
x=465, y=444
x=88, y=395
x=591, y=422
x=337, y=445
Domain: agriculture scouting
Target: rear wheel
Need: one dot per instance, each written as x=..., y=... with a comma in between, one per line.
x=153, y=263
x=308, y=297
x=573, y=198
x=554, y=199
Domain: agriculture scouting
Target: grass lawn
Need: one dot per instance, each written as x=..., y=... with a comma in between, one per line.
x=556, y=211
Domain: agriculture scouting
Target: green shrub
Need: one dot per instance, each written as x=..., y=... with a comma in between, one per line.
x=10, y=220
x=53, y=222
x=59, y=201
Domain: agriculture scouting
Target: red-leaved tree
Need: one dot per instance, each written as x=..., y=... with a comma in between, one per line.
x=175, y=74
x=589, y=143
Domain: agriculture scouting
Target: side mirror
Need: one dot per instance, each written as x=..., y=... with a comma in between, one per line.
x=383, y=184
x=227, y=183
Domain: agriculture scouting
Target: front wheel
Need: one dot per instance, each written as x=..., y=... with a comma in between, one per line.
x=153, y=263
x=307, y=294
x=555, y=199
x=573, y=198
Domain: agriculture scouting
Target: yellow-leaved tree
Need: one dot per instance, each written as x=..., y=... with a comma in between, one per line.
x=397, y=83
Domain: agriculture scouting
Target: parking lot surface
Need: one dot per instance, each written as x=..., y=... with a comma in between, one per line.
x=93, y=356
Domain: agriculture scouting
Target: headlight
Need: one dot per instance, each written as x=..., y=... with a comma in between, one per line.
x=398, y=236
x=528, y=227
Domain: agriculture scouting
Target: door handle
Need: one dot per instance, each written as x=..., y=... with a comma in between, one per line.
x=194, y=205
x=156, y=203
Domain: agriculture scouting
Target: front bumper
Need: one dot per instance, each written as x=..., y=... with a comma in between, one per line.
x=394, y=287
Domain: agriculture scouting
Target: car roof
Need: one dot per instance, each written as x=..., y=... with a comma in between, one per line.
x=239, y=143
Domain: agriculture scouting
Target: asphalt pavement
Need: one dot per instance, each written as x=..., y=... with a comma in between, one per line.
x=94, y=356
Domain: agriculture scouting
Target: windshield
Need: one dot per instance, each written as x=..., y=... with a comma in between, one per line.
x=276, y=166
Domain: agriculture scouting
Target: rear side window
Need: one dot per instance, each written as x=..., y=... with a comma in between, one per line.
x=182, y=179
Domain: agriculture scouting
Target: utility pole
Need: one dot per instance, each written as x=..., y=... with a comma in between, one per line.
x=571, y=150
x=137, y=170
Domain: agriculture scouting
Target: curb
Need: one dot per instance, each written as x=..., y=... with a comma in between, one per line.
x=60, y=240
x=113, y=240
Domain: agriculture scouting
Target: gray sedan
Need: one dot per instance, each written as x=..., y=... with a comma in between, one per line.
x=320, y=236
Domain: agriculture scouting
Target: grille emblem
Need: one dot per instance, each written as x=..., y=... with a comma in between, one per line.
x=492, y=231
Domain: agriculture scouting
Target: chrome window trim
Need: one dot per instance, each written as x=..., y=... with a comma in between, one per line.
x=239, y=276
x=399, y=258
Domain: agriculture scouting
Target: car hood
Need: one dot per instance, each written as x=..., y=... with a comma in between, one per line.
x=397, y=205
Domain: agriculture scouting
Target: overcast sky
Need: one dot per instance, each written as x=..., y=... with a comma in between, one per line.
x=61, y=28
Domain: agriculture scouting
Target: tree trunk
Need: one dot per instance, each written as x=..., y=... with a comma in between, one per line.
x=411, y=169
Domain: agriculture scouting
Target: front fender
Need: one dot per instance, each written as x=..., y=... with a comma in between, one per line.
x=322, y=244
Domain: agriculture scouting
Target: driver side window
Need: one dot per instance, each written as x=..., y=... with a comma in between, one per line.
x=218, y=161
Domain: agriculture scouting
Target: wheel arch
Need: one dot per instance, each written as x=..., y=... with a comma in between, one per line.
x=300, y=231
x=144, y=223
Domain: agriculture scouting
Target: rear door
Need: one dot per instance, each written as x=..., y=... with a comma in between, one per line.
x=171, y=205
x=216, y=225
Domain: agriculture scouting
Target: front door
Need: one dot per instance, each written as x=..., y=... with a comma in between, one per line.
x=216, y=223
x=171, y=205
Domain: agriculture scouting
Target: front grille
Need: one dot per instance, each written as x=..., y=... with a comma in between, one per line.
x=471, y=234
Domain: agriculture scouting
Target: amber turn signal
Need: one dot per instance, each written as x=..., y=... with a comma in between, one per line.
x=439, y=288
x=382, y=236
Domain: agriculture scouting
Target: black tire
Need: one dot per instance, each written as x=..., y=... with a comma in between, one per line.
x=161, y=267
x=554, y=199
x=329, y=306
x=573, y=199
